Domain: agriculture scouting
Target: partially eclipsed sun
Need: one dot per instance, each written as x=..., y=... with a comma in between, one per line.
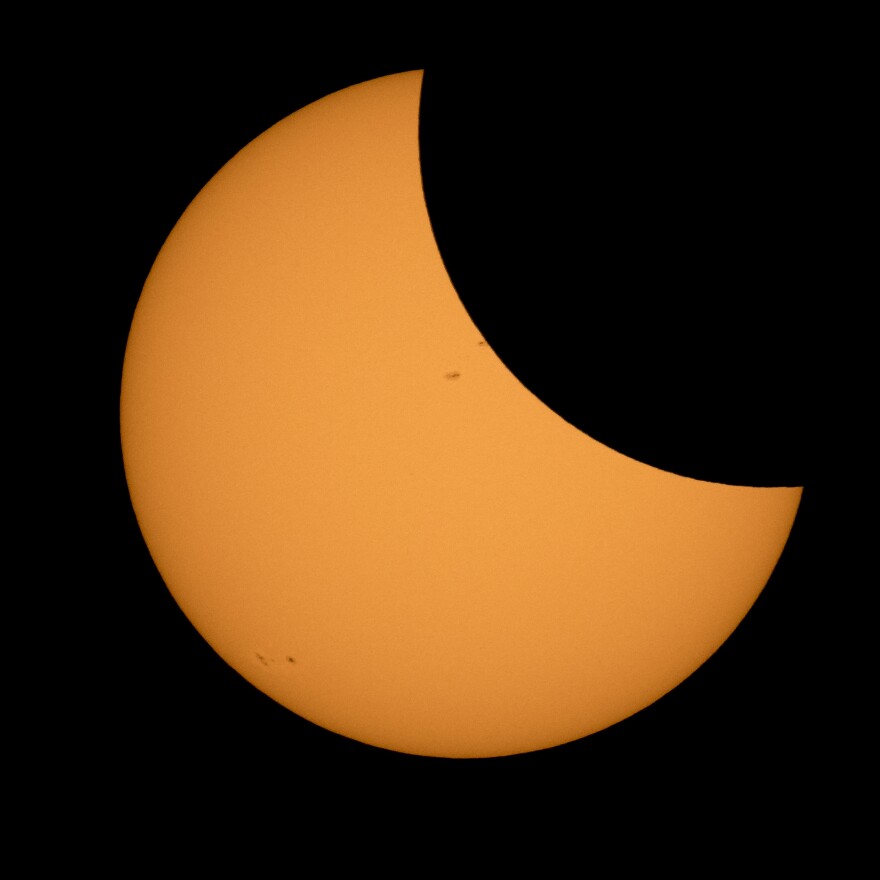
x=356, y=503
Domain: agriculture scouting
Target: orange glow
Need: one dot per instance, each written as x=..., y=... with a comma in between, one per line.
x=362, y=510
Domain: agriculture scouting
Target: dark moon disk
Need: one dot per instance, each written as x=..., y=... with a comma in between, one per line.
x=638, y=242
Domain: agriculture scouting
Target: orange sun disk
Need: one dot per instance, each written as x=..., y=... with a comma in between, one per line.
x=356, y=503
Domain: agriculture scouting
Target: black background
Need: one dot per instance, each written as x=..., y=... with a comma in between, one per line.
x=154, y=710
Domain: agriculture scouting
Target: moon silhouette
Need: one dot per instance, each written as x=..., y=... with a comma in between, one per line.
x=650, y=229
x=358, y=505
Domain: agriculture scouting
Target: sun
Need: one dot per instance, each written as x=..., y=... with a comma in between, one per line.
x=356, y=503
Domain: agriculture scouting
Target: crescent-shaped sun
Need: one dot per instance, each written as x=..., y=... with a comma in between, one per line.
x=356, y=503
